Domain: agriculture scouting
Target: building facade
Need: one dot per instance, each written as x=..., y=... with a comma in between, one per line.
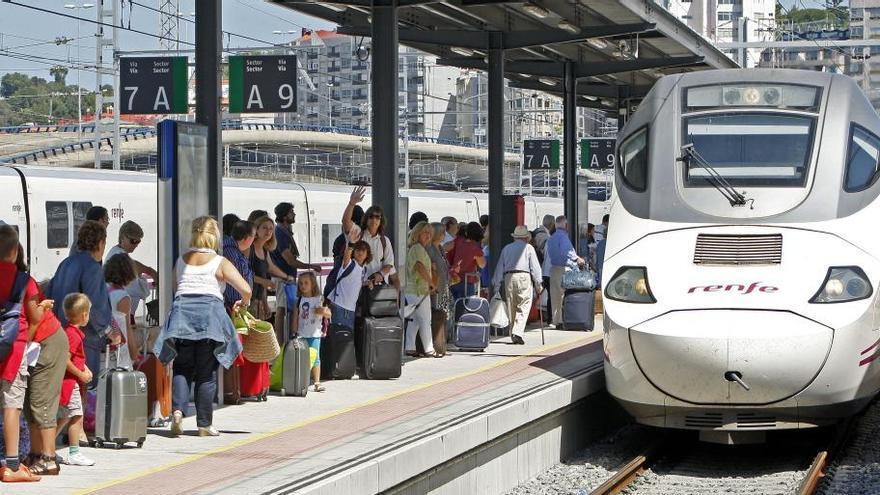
x=723, y=21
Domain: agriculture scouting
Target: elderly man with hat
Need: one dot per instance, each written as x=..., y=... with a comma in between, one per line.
x=517, y=273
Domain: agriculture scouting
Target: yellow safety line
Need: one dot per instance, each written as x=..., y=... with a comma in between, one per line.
x=259, y=436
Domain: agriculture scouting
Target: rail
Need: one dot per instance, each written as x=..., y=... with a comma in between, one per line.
x=130, y=133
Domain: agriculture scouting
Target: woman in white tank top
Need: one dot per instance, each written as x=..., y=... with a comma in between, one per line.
x=198, y=333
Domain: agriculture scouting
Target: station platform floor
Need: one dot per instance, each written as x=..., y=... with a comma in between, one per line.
x=288, y=444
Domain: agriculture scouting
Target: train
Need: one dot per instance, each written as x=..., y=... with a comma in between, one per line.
x=48, y=204
x=742, y=254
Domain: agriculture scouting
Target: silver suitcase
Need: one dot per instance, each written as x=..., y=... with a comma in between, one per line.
x=121, y=408
x=295, y=368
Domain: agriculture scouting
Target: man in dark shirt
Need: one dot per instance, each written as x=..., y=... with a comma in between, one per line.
x=286, y=254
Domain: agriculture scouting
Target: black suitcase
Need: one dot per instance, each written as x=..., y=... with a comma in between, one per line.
x=378, y=351
x=578, y=308
x=338, y=361
x=380, y=301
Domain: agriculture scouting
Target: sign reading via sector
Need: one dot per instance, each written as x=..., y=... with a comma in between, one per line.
x=153, y=85
x=541, y=154
x=262, y=84
x=597, y=153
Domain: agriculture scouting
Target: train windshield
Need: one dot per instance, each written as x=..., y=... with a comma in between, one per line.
x=751, y=149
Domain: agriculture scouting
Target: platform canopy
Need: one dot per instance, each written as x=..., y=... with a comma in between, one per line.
x=620, y=47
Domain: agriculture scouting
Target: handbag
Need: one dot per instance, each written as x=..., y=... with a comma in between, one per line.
x=498, y=316
x=582, y=279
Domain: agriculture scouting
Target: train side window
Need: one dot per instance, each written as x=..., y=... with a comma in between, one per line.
x=79, y=214
x=57, y=225
x=329, y=233
x=634, y=160
x=862, y=160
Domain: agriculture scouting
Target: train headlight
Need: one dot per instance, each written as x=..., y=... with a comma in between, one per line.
x=630, y=284
x=843, y=284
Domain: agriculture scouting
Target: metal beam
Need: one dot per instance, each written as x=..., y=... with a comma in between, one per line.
x=587, y=69
x=209, y=73
x=495, y=134
x=477, y=40
x=585, y=88
x=569, y=142
x=523, y=39
x=384, y=118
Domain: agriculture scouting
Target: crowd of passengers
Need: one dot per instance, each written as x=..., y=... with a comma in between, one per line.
x=83, y=318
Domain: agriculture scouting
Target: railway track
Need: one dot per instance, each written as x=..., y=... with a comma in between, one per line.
x=669, y=466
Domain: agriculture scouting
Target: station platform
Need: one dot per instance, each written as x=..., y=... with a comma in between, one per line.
x=362, y=436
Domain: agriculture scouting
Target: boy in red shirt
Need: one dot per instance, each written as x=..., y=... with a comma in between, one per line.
x=13, y=369
x=76, y=310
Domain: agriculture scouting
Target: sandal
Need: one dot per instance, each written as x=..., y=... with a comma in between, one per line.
x=319, y=387
x=431, y=354
x=45, y=467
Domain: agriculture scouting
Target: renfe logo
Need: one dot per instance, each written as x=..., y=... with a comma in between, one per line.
x=743, y=289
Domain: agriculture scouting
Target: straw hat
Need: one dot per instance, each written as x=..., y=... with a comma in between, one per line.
x=521, y=232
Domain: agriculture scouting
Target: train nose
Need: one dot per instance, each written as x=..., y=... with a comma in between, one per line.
x=730, y=356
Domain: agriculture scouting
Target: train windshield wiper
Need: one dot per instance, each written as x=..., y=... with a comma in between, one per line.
x=734, y=197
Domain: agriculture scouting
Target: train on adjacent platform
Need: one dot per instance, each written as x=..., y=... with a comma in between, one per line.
x=47, y=205
x=742, y=262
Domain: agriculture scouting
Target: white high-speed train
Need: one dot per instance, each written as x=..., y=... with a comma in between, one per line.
x=48, y=204
x=741, y=266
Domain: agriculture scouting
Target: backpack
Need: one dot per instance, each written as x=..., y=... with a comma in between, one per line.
x=10, y=315
x=334, y=277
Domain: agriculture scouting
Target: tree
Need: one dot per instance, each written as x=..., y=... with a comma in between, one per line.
x=59, y=73
x=12, y=83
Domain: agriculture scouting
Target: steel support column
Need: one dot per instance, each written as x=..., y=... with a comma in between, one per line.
x=495, y=133
x=384, y=118
x=209, y=46
x=569, y=136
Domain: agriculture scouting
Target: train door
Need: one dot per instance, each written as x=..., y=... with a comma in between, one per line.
x=13, y=208
x=58, y=231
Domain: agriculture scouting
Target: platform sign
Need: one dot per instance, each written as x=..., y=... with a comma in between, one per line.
x=262, y=84
x=598, y=153
x=541, y=154
x=153, y=85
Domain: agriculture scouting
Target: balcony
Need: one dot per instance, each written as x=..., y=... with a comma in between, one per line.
x=312, y=99
x=359, y=96
x=359, y=67
x=334, y=68
x=358, y=82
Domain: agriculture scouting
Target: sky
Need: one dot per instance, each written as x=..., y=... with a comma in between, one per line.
x=27, y=33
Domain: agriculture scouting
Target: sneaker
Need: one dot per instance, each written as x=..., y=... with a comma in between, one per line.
x=22, y=475
x=78, y=459
x=208, y=431
x=45, y=467
x=177, y=424
x=517, y=339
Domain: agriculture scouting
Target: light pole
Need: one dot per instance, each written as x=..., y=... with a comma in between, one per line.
x=329, y=104
x=78, y=65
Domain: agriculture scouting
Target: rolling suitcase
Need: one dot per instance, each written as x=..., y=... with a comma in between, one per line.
x=121, y=407
x=158, y=390
x=380, y=301
x=290, y=373
x=578, y=310
x=232, y=385
x=471, y=331
x=380, y=341
x=338, y=360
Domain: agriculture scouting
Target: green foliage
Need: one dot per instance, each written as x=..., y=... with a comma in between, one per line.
x=34, y=99
x=835, y=12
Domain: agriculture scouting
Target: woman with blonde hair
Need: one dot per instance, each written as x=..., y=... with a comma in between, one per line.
x=255, y=376
x=419, y=286
x=198, y=333
x=441, y=299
